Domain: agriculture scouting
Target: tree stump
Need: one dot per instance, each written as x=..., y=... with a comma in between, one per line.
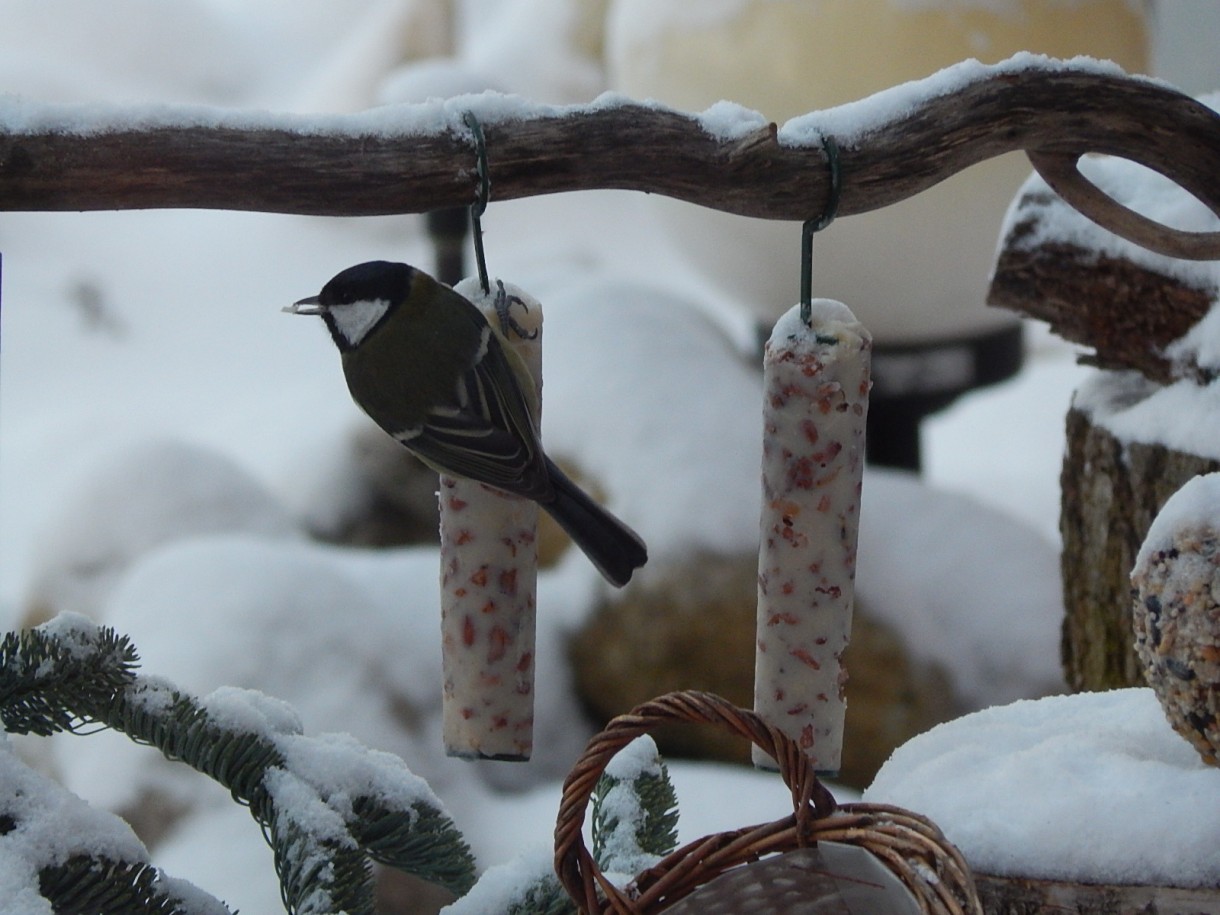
x=1129, y=307
x=1022, y=896
x=1112, y=489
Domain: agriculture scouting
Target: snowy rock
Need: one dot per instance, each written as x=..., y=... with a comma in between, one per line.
x=134, y=500
x=645, y=395
x=964, y=585
x=377, y=494
x=288, y=619
x=187, y=52
x=1091, y=788
x=956, y=610
x=374, y=40
x=548, y=50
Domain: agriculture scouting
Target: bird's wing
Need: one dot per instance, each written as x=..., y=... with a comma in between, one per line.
x=488, y=435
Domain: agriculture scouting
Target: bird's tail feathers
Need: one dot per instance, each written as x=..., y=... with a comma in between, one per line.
x=614, y=548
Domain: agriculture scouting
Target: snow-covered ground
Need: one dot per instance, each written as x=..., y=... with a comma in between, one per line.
x=146, y=370
x=1045, y=787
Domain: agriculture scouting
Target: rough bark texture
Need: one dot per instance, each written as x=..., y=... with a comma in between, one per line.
x=58, y=159
x=1020, y=896
x=1111, y=493
x=1125, y=312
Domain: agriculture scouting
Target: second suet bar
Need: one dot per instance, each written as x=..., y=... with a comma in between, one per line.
x=816, y=383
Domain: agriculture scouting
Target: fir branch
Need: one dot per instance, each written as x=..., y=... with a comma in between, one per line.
x=71, y=671
x=103, y=886
x=80, y=860
x=525, y=886
x=634, y=824
x=319, y=877
x=635, y=812
x=52, y=680
x=421, y=841
x=321, y=868
x=154, y=713
x=658, y=834
x=546, y=897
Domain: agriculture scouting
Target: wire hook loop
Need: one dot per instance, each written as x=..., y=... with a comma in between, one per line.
x=818, y=223
x=482, y=196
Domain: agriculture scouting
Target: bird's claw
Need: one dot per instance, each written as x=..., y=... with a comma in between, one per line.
x=504, y=304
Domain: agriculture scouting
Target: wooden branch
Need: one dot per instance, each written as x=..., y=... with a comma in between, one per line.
x=347, y=168
x=1125, y=311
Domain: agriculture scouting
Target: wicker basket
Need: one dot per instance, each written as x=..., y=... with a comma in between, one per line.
x=912, y=847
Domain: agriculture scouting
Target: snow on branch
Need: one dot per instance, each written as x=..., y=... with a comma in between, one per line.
x=326, y=804
x=58, y=854
x=1134, y=309
x=416, y=158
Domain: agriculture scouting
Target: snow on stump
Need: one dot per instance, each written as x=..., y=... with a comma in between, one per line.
x=1176, y=595
x=1115, y=479
x=1144, y=424
x=1088, y=804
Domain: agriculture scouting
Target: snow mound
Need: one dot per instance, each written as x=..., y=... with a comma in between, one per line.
x=1094, y=787
x=138, y=498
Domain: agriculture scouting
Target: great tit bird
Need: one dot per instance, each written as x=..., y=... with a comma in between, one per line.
x=426, y=366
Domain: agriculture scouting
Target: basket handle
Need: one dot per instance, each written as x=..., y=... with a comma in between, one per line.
x=579, y=873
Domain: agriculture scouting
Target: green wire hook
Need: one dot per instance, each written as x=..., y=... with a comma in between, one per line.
x=479, y=207
x=818, y=223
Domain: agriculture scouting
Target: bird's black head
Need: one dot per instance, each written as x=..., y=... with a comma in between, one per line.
x=368, y=282
x=359, y=299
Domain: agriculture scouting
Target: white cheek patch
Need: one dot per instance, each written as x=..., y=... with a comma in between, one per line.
x=354, y=321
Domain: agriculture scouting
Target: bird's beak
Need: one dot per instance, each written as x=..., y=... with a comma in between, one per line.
x=309, y=306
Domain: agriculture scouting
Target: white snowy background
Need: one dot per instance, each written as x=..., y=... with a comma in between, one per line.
x=163, y=423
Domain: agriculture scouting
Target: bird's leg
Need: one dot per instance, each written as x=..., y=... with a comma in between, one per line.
x=504, y=304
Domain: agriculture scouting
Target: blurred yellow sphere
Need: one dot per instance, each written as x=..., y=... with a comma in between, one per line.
x=913, y=272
